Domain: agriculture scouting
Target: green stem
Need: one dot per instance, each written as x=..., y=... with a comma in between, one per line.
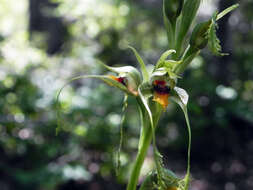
x=187, y=177
x=144, y=142
x=139, y=160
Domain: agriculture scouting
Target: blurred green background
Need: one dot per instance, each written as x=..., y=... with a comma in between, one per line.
x=43, y=43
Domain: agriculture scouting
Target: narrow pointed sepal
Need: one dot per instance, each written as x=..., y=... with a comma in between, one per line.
x=107, y=79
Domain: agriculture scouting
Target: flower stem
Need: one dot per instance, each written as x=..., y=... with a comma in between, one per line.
x=139, y=160
x=144, y=143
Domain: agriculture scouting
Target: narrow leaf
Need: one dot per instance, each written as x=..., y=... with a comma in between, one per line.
x=142, y=64
x=226, y=11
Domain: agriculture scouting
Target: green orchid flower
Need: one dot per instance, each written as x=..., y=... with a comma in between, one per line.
x=154, y=90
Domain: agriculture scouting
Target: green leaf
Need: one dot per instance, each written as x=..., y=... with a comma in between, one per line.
x=213, y=41
x=226, y=11
x=142, y=64
x=181, y=98
x=189, y=12
x=104, y=78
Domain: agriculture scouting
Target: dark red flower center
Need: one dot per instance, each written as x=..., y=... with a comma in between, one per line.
x=160, y=87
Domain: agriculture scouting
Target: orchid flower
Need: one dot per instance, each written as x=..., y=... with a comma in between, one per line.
x=154, y=90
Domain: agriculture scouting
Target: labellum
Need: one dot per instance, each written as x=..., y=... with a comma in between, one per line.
x=161, y=93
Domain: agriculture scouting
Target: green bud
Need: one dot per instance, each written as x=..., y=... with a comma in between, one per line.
x=173, y=8
x=199, y=37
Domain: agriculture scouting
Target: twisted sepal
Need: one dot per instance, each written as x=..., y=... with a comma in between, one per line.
x=107, y=79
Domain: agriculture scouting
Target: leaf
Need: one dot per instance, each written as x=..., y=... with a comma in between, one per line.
x=189, y=12
x=104, y=78
x=142, y=64
x=181, y=98
x=226, y=11
x=213, y=41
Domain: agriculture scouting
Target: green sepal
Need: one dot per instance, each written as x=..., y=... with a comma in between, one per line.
x=161, y=61
x=104, y=78
x=144, y=71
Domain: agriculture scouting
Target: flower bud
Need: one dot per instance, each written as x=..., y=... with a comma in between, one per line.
x=199, y=38
x=173, y=8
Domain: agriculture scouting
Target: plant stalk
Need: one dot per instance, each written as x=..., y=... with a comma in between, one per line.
x=139, y=160
x=144, y=143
